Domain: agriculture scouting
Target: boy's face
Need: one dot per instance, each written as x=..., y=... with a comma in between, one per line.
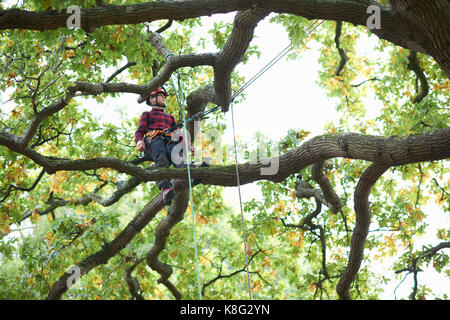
x=161, y=99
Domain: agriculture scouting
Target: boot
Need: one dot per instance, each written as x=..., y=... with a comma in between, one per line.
x=197, y=181
x=167, y=195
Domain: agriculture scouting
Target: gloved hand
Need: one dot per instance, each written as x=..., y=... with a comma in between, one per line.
x=140, y=146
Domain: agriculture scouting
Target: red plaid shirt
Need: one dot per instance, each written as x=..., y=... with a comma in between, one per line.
x=156, y=119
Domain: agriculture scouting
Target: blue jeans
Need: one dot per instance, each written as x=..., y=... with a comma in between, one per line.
x=161, y=152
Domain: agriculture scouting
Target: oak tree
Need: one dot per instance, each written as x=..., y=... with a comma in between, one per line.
x=337, y=205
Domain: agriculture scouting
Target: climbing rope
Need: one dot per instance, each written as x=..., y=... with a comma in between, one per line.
x=244, y=237
x=309, y=30
x=180, y=100
x=313, y=26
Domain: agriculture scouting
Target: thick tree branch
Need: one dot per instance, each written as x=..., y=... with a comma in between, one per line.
x=362, y=209
x=224, y=61
x=430, y=22
x=173, y=62
x=196, y=102
x=175, y=215
x=429, y=19
x=392, y=151
x=233, y=51
x=110, y=249
x=92, y=18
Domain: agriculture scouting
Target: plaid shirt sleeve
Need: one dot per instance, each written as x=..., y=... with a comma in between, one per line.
x=142, y=128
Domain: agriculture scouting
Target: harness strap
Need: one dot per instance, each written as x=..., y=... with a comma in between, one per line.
x=152, y=134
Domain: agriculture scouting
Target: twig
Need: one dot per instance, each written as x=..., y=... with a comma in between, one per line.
x=342, y=54
x=414, y=65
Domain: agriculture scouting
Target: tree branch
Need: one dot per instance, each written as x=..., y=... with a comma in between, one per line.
x=233, y=51
x=132, y=282
x=415, y=66
x=308, y=225
x=110, y=249
x=363, y=189
x=331, y=197
x=45, y=113
x=151, y=11
x=221, y=276
x=342, y=54
x=123, y=188
x=129, y=64
x=224, y=61
x=12, y=187
x=165, y=27
x=432, y=33
x=414, y=268
x=392, y=151
x=175, y=215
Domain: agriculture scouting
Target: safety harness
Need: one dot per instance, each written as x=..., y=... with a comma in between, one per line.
x=150, y=135
x=166, y=136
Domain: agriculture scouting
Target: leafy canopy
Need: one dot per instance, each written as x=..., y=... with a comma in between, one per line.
x=288, y=260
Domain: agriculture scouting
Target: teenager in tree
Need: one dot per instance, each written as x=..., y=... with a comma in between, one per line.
x=151, y=138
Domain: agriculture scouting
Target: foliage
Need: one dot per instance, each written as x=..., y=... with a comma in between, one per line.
x=287, y=260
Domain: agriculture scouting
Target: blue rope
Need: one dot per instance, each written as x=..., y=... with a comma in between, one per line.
x=180, y=100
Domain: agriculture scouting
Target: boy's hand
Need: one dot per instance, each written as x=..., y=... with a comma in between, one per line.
x=140, y=146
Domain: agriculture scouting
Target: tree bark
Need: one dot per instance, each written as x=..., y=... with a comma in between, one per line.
x=392, y=151
x=418, y=25
x=110, y=249
x=359, y=236
x=427, y=25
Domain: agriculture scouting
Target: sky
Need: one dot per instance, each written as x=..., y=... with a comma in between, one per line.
x=284, y=97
